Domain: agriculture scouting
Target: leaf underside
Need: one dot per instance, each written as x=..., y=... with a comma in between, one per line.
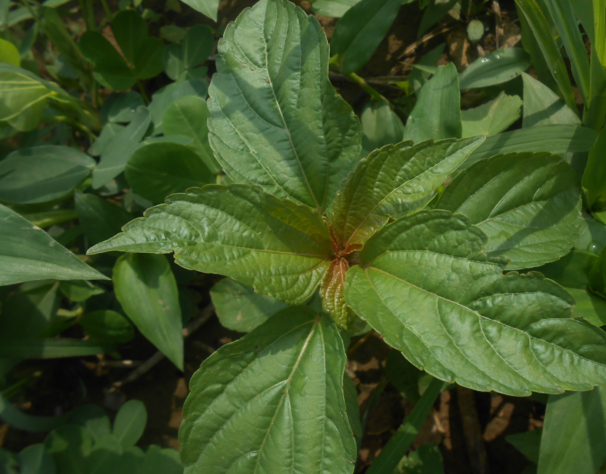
x=272, y=402
x=426, y=286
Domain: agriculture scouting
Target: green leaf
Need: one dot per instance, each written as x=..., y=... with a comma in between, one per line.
x=596, y=104
x=594, y=184
x=396, y=179
x=493, y=117
x=109, y=131
x=69, y=446
x=418, y=77
x=22, y=98
x=210, y=8
x=239, y=308
x=511, y=333
x=161, y=461
x=107, y=326
x=109, y=67
x=380, y=126
x=147, y=290
x=278, y=247
x=574, y=433
x=28, y=253
x=543, y=107
x=433, y=13
x=529, y=206
x=130, y=31
x=187, y=117
x=290, y=133
x=105, y=455
x=9, y=53
x=35, y=460
x=79, y=290
x=425, y=460
x=196, y=47
x=593, y=236
x=565, y=19
x=599, y=24
x=116, y=153
x=120, y=108
x=333, y=8
x=99, y=218
x=498, y=67
x=42, y=174
x=549, y=138
x=156, y=170
x=475, y=30
x=92, y=417
x=51, y=348
x=162, y=99
x=359, y=33
x=130, y=423
x=437, y=113
x=547, y=43
x=528, y=443
x=353, y=410
x=404, y=376
x=285, y=381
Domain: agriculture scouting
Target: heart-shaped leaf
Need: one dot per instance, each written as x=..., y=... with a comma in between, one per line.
x=284, y=381
x=276, y=120
x=425, y=285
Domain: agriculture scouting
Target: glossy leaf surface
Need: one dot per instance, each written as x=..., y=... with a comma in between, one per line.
x=147, y=290
x=284, y=382
x=529, y=206
x=275, y=118
x=278, y=247
x=392, y=181
x=425, y=285
x=437, y=113
x=239, y=308
x=28, y=253
x=498, y=67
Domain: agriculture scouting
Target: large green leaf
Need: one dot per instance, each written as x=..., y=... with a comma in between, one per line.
x=425, y=285
x=543, y=107
x=28, y=253
x=395, y=179
x=548, y=138
x=574, y=434
x=278, y=247
x=498, y=67
x=437, y=113
x=284, y=382
x=187, y=117
x=275, y=118
x=529, y=206
x=210, y=8
x=147, y=290
x=156, y=170
x=239, y=308
x=42, y=174
x=359, y=33
x=493, y=117
x=380, y=126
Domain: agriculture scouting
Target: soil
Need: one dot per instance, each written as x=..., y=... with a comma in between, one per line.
x=489, y=418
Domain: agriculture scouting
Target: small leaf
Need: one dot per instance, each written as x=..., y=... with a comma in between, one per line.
x=398, y=178
x=162, y=99
x=433, y=13
x=475, y=30
x=543, y=107
x=331, y=292
x=79, y=290
x=210, y=8
x=105, y=455
x=130, y=31
x=130, y=423
x=592, y=238
x=147, y=290
x=437, y=113
x=239, y=308
x=157, y=170
x=529, y=206
x=360, y=31
x=574, y=433
x=9, y=53
x=196, y=47
x=28, y=253
x=334, y=8
x=284, y=379
x=148, y=62
x=107, y=326
x=484, y=330
x=119, y=149
x=120, y=108
x=278, y=247
x=427, y=459
x=498, y=67
x=493, y=117
x=36, y=460
x=550, y=138
x=42, y=174
x=161, y=461
x=353, y=410
x=187, y=117
x=99, y=218
x=380, y=126
x=70, y=445
x=418, y=77
x=290, y=133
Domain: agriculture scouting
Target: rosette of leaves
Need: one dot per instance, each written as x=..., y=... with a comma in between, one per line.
x=305, y=214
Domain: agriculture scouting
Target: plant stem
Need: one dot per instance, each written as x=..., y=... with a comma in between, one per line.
x=72, y=123
x=371, y=91
x=30, y=9
x=398, y=445
x=108, y=12
x=143, y=93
